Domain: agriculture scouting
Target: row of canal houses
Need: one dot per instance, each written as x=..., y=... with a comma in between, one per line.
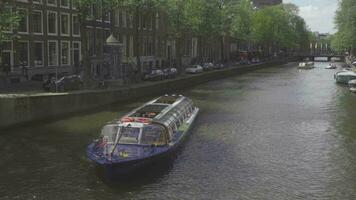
x=48, y=41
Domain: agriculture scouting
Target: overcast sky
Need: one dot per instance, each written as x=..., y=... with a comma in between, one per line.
x=319, y=14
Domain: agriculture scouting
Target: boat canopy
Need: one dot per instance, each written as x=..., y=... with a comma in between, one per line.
x=148, y=134
x=175, y=112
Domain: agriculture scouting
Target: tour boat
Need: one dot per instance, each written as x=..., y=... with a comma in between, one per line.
x=331, y=66
x=306, y=65
x=148, y=133
x=344, y=76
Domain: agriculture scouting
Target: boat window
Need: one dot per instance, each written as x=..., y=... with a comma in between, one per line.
x=178, y=123
x=129, y=135
x=153, y=135
x=109, y=132
x=174, y=127
x=181, y=119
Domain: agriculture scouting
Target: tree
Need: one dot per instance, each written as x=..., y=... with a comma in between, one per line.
x=242, y=19
x=9, y=20
x=280, y=27
x=182, y=17
x=345, y=21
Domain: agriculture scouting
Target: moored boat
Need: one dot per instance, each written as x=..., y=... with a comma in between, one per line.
x=306, y=65
x=353, y=89
x=344, y=76
x=148, y=133
x=331, y=66
x=352, y=85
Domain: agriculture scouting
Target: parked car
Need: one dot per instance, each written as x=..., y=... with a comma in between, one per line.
x=154, y=75
x=255, y=60
x=194, y=69
x=208, y=66
x=65, y=83
x=219, y=66
x=170, y=73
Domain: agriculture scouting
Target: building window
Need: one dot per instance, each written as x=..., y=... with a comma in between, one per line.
x=65, y=3
x=65, y=24
x=131, y=19
x=38, y=54
x=157, y=20
x=131, y=45
x=52, y=53
x=23, y=53
x=52, y=2
x=144, y=20
x=37, y=21
x=150, y=22
x=23, y=24
x=107, y=16
x=124, y=20
x=8, y=29
x=124, y=41
x=76, y=25
x=99, y=42
x=52, y=23
x=6, y=56
x=97, y=10
x=117, y=18
x=65, y=52
x=37, y=1
x=76, y=55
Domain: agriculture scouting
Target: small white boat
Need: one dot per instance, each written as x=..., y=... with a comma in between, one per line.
x=353, y=89
x=331, y=66
x=306, y=65
x=352, y=85
x=344, y=76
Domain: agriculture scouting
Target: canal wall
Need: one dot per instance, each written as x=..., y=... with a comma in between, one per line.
x=18, y=108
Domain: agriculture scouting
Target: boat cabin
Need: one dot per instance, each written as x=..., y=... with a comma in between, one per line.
x=158, y=123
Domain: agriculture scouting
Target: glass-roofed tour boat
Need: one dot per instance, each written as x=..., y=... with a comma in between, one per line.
x=148, y=133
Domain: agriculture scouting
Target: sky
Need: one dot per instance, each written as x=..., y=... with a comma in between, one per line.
x=318, y=14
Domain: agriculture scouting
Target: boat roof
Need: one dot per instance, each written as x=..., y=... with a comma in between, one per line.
x=349, y=73
x=163, y=110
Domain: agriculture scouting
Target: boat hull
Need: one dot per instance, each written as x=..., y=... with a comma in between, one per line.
x=353, y=89
x=308, y=65
x=344, y=79
x=117, y=170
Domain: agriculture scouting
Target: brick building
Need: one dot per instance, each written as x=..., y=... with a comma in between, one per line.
x=47, y=40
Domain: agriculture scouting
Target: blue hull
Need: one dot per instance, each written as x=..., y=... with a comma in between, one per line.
x=132, y=167
x=139, y=165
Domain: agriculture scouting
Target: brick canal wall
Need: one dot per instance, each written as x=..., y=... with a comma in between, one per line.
x=18, y=109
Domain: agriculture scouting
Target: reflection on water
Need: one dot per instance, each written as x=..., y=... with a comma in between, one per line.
x=277, y=133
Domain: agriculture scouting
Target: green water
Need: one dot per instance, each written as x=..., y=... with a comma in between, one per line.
x=276, y=133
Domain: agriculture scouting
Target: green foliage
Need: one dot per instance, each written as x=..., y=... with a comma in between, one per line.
x=280, y=25
x=242, y=20
x=8, y=19
x=345, y=21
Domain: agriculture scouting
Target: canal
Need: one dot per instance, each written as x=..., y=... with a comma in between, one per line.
x=276, y=133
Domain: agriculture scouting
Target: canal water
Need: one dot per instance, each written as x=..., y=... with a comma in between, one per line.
x=276, y=133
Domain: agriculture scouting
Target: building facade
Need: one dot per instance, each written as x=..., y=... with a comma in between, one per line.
x=47, y=40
